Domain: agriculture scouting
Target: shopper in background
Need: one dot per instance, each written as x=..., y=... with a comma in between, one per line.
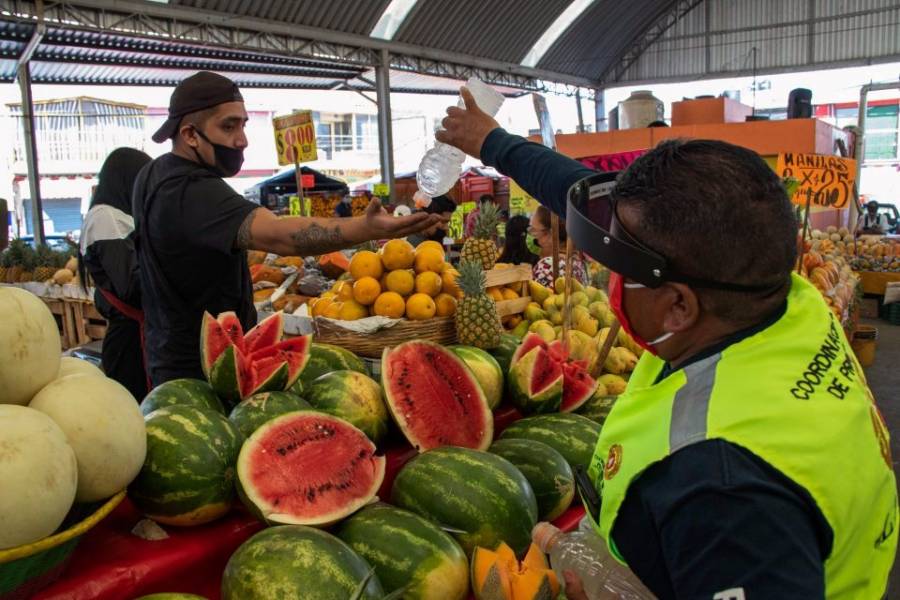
x=469, y=229
x=443, y=206
x=344, y=208
x=542, y=236
x=193, y=228
x=871, y=222
x=108, y=255
x=747, y=457
x=515, y=247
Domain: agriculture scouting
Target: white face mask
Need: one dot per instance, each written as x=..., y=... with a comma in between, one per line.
x=663, y=337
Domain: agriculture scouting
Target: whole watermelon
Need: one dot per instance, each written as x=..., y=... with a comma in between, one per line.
x=354, y=397
x=326, y=358
x=188, y=475
x=504, y=352
x=187, y=392
x=546, y=470
x=477, y=493
x=573, y=436
x=486, y=370
x=258, y=409
x=293, y=561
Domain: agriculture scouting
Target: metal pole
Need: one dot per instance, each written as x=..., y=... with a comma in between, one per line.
x=580, y=115
x=31, y=158
x=860, y=153
x=385, y=136
x=600, y=123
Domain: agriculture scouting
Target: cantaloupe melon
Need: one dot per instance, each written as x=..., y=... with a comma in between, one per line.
x=103, y=425
x=29, y=346
x=69, y=365
x=38, y=473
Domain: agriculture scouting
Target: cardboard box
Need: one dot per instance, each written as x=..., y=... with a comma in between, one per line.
x=708, y=111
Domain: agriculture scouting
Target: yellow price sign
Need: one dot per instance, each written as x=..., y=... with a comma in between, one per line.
x=381, y=190
x=520, y=202
x=294, y=206
x=823, y=182
x=295, y=138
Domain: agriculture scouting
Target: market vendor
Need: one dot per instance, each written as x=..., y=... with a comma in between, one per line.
x=871, y=222
x=747, y=458
x=193, y=228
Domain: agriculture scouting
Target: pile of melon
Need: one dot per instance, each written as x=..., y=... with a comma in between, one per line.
x=68, y=434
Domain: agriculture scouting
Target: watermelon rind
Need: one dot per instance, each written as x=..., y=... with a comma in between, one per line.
x=528, y=343
x=171, y=596
x=253, y=412
x=408, y=551
x=470, y=424
x=486, y=370
x=478, y=493
x=546, y=470
x=597, y=408
x=521, y=378
x=266, y=333
x=188, y=392
x=326, y=358
x=504, y=352
x=213, y=341
x=294, y=562
x=293, y=351
x=323, y=445
x=354, y=397
x=575, y=392
x=226, y=374
x=188, y=474
x=276, y=381
x=573, y=436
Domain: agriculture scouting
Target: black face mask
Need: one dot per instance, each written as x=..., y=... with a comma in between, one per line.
x=228, y=160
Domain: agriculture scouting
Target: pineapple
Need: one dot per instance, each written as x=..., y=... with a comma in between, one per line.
x=477, y=321
x=15, y=257
x=47, y=263
x=29, y=260
x=5, y=264
x=482, y=247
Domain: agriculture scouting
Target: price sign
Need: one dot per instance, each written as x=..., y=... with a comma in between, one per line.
x=455, y=227
x=520, y=202
x=295, y=138
x=381, y=190
x=823, y=182
x=294, y=206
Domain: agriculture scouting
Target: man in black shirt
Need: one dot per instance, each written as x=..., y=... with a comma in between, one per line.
x=193, y=229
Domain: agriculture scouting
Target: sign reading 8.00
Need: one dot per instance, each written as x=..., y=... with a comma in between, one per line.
x=295, y=138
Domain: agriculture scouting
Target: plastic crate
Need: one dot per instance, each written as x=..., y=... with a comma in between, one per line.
x=891, y=313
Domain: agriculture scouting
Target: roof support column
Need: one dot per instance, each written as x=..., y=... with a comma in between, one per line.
x=580, y=115
x=31, y=157
x=600, y=123
x=385, y=135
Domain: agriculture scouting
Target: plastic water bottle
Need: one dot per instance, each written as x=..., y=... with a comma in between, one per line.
x=585, y=554
x=442, y=165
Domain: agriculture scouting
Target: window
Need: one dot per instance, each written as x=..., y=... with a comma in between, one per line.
x=881, y=132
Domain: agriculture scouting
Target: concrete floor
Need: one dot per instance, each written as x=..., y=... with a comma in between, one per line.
x=884, y=379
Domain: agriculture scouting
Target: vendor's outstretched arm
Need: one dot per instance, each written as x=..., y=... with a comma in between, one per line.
x=543, y=173
x=309, y=236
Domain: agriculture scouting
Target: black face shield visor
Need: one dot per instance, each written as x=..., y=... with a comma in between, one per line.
x=595, y=228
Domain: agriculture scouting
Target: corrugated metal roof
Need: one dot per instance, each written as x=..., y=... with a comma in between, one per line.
x=409, y=82
x=499, y=29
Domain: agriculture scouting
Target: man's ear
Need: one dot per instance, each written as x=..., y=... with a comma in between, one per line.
x=188, y=135
x=684, y=308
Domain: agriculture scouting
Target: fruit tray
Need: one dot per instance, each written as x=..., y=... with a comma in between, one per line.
x=441, y=330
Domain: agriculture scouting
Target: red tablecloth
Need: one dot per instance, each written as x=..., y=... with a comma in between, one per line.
x=112, y=564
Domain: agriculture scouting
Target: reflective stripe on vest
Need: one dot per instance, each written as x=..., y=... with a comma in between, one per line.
x=795, y=396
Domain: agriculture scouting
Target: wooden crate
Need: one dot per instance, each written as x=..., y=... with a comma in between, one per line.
x=58, y=310
x=519, y=276
x=86, y=324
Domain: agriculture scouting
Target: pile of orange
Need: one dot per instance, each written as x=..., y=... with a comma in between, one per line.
x=398, y=281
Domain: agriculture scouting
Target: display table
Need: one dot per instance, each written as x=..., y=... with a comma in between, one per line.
x=875, y=282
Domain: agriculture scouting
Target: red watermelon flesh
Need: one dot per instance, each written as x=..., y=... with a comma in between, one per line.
x=213, y=342
x=558, y=351
x=308, y=468
x=531, y=341
x=233, y=328
x=264, y=375
x=293, y=351
x=578, y=386
x=267, y=332
x=545, y=373
x=434, y=398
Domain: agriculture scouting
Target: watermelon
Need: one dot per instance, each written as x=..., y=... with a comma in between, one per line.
x=294, y=352
x=214, y=340
x=308, y=468
x=597, y=408
x=434, y=398
x=258, y=409
x=325, y=358
x=486, y=370
x=354, y=397
x=293, y=562
x=171, y=596
x=573, y=436
x=188, y=474
x=504, y=352
x=189, y=392
x=546, y=470
x=544, y=379
x=267, y=333
x=481, y=496
x=408, y=552
x=233, y=329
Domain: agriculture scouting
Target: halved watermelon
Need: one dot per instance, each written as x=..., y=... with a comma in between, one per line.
x=578, y=386
x=531, y=341
x=294, y=352
x=265, y=375
x=308, y=468
x=213, y=342
x=543, y=379
x=233, y=328
x=266, y=333
x=434, y=398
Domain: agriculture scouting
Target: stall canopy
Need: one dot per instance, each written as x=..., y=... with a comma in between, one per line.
x=286, y=183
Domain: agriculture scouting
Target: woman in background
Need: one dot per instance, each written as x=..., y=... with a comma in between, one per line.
x=107, y=248
x=542, y=235
x=515, y=248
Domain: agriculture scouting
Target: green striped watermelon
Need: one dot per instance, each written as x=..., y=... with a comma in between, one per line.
x=294, y=562
x=354, y=397
x=325, y=358
x=188, y=392
x=408, y=551
x=504, y=352
x=481, y=496
x=486, y=370
x=188, y=475
x=258, y=409
x=573, y=436
x=546, y=470
x=597, y=407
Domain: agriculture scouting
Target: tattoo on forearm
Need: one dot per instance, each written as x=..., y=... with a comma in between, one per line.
x=244, y=235
x=316, y=239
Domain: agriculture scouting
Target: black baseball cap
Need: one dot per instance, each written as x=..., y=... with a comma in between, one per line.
x=200, y=91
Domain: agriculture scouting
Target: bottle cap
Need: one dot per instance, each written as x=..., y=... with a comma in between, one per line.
x=545, y=535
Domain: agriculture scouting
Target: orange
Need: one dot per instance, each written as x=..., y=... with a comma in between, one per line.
x=495, y=294
x=401, y=282
x=448, y=281
x=428, y=283
x=390, y=304
x=366, y=264
x=318, y=306
x=344, y=290
x=333, y=310
x=429, y=258
x=352, y=310
x=445, y=305
x=430, y=244
x=365, y=290
x=398, y=254
x=420, y=307
x=509, y=294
